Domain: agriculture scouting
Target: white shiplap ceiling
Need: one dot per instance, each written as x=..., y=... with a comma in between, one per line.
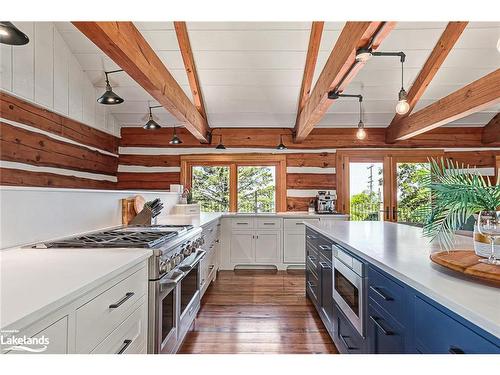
x=251, y=72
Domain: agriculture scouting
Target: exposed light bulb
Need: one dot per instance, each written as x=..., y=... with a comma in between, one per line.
x=402, y=107
x=361, y=133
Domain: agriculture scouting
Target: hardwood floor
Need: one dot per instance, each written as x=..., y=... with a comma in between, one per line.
x=257, y=311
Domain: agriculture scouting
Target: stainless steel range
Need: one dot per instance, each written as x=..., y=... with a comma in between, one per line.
x=174, y=275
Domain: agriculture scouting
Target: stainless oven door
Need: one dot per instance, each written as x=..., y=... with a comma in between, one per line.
x=348, y=293
x=163, y=313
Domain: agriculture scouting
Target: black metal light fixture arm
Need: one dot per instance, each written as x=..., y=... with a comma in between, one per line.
x=335, y=95
x=401, y=54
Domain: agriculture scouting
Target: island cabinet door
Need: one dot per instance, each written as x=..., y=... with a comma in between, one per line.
x=242, y=246
x=385, y=335
x=267, y=246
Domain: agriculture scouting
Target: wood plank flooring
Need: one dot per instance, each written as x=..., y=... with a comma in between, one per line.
x=257, y=311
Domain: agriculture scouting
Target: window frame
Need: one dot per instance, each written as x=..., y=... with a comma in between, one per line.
x=234, y=161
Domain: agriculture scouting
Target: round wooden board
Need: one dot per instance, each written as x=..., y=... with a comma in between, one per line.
x=467, y=262
x=139, y=202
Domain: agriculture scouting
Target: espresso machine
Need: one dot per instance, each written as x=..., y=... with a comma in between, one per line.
x=325, y=202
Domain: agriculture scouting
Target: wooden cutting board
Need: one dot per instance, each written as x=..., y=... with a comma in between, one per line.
x=467, y=262
x=131, y=207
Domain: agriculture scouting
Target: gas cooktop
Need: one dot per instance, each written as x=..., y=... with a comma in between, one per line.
x=129, y=236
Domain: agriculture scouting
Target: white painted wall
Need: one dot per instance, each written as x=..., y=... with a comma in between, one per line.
x=38, y=214
x=45, y=72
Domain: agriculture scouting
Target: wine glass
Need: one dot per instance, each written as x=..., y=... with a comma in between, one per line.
x=488, y=224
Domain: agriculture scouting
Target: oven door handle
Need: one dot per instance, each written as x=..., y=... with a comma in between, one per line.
x=175, y=280
x=201, y=254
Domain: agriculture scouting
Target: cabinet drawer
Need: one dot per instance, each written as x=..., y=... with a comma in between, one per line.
x=268, y=223
x=312, y=262
x=97, y=318
x=325, y=247
x=294, y=224
x=312, y=286
x=385, y=335
x=347, y=339
x=242, y=223
x=130, y=336
x=438, y=333
x=311, y=237
x=387, y=294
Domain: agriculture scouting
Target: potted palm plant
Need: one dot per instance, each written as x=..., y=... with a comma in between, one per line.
x=457, y=193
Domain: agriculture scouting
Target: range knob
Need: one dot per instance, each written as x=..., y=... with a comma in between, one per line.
x=163, y=266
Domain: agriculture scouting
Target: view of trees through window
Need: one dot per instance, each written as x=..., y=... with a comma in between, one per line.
x=256, y=188
x=413, y=199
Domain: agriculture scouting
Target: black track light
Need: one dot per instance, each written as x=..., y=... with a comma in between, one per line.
x=220, y=146
x=152, y=124
x=281, y=146
x=11, y=35
x=109, y=97
x=175, y=139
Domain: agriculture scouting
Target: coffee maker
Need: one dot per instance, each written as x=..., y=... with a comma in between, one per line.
x=325, y=202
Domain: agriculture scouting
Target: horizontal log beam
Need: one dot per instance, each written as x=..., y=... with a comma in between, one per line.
x=150, y=160
x=318, y=160
x=147, y=181
x=311, y=181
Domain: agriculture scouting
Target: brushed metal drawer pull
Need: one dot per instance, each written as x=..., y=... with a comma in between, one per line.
x=455, y=350
x=311, y=284
x=299, y=223
x=311, y=237
x=377, y=323
x=325, y=265
x=125, y=345
x=324, y=247
x=241, y=223
x=343, y=338
x=311, y=259
x=122, y=301
x=380, y=294
x=268, y=223
x=211, y=267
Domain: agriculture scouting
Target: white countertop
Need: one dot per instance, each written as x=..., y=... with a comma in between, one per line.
x=402, y=251
x=35, y=282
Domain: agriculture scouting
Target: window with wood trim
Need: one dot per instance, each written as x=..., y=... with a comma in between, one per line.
x=236, y=182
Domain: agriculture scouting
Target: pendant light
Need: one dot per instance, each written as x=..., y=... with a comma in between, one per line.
x=109, y=97
x=175, y=139
x=365, y=54
x=361, y=133
x=281, y=146
x=11, y=35
x=152, y=124
x=220, y=146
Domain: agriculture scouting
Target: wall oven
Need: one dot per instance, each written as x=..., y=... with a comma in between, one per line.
x=349, y=287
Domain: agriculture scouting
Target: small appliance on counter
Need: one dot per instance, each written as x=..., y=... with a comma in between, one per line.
x=325, y=202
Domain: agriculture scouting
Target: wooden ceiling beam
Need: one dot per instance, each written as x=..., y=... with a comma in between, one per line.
x=448, y=38
x=472, y=98
x=340, y=68
x=125, y=45
x=491, y=132
x=192, y=74
x=311, y=59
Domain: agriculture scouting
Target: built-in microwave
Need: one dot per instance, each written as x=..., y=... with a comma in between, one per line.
x=349, y=287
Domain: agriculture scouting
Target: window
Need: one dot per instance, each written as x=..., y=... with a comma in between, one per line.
x=256, y=189
x=210, y=188
x=236, y=182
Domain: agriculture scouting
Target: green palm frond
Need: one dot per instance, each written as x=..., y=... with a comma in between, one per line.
x=457, y=192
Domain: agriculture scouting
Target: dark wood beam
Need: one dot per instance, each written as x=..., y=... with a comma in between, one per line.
x=491, y=132
x=125, y=45
x=340, y=68
x=441, y=50
x=187, y=57
x=311, y=58
x=472, y=98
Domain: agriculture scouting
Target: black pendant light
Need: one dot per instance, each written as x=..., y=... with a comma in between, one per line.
x=11, y=35
x=220, y=146
x=109, y=97
x=175, y=139
x=281, y=146
x=152, y=124
x=361, y=133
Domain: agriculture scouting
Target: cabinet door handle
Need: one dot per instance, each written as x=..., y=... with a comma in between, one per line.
x=241, y=223
x=325, y=265
x=455, y=350
x=324, y=247
x=299, y=224
x=268, y=223
x=122, y=301
x=311, y=284
x=377, y=323
x=377, y=291
x=311, y=237
x=211, y=267
x=125, y=345
x=343, y=338
x=311, y=258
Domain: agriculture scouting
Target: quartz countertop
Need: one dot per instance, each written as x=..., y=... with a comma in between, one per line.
x=35, y=282
x=402, y=251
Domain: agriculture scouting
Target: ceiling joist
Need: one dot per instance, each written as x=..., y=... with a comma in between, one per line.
x=311, y=59
x=441, y=50
x=472, y=98
x=192, y=74
x=491, y=132
x=340, y=68
x=125, y=45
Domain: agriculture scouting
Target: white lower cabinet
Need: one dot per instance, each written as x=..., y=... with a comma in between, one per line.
x=294, y=247
x=111, y=318
x=267, y=246
x=242, y=246
x=260, y=246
